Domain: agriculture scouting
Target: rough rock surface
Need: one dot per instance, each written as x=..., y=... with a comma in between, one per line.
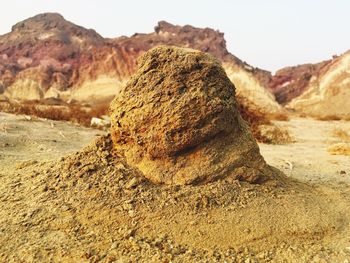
x=176, y=121
x=48, y=53
x=249, y=81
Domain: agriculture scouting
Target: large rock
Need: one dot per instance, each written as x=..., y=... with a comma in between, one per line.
x=176, y=121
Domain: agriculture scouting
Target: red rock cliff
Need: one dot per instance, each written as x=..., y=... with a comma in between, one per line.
x=47, y=56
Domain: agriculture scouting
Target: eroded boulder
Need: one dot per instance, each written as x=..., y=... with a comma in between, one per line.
x=176, y=120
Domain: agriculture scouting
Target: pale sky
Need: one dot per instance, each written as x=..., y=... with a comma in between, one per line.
x=269, y=34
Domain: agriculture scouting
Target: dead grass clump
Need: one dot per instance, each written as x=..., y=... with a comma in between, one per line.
x=74, y=113
x=261, y=126
x=277, y=116
x=341, y=135
x=339, y=149
x=273, y=134
x=99, y=110
x=328, y=118
x=254, y=118
x=333, y=118
x=254, y=121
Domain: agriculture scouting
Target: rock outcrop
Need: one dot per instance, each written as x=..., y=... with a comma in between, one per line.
x=327, y=93
x=176, y=120
x=249, y=81
x=44, y=52
x=319, y=90
x=290, y=82
x=57, y=58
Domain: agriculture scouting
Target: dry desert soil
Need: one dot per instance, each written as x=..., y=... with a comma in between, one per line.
x=65, y=198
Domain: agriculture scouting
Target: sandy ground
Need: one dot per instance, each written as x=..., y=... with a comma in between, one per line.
x=89, y=207
x=24, y=138
x=308, y=156
x=306, y=159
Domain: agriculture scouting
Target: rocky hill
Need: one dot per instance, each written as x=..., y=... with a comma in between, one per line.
x=320, y=90
x=48, y=57
x=327, y=93
x=291, y=82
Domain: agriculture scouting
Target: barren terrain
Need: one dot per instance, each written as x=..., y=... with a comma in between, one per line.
x=24, y=138
x=91, y=207
x=307, y=159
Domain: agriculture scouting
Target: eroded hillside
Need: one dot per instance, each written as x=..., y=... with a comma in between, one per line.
x=48, y=57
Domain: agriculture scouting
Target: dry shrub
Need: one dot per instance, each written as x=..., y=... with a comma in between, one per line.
x=78, y=114
x=74, y=113
x=278, y=116
x=261, y=126
x=339, y=149
x=341, y=134
x=273, y=134
x=331, y=117
x=99, y=110
x=328, y=118
x=254, y=119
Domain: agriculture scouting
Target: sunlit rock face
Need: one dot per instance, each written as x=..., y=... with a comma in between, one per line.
x=77, y=63
x=327, y=95
x=177, y=122
x=290, y=82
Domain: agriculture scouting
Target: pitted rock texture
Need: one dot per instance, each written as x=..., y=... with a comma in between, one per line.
x=176, y=120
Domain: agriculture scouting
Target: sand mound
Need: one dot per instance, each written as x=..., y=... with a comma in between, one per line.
x=176, y=120
x=91, y=207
